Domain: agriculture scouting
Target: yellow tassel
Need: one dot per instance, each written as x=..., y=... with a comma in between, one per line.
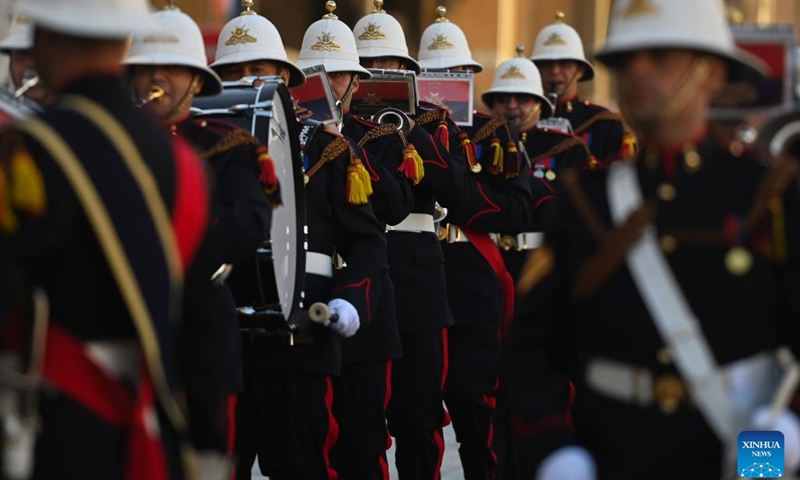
x=497, y=160
x=363, y=175
x=8, y=220
x=417, y=161
x=442, y=133
x=27, y=185
x=355, y=188
x=468, y=150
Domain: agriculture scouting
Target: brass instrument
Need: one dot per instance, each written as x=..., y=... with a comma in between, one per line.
x=156, y=92
x=393, y=116
x=29, y=80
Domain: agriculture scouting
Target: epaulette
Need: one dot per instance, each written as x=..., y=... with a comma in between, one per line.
x=22, y=188
x=605, y=115
x=359, y=185
x=411, y=166
x=234, y=138
x=499, y=163
x=438, y=115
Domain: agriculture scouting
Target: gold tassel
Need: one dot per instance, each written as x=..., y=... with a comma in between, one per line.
x=355, y=188
x=469, y=151
x=442, y=133
x=8, y=220
x=497, y=159
x=27, y=185
x=363, y=175
x=512, y=167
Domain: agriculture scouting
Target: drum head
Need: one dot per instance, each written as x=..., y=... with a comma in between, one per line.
x=266, y=111
x=288, y=232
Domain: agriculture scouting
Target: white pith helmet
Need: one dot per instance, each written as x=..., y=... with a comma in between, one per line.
x=518, y=75
x=698, y=25
x=329, y=42
x=110, y=19
x=381, y=35
x=20, y=36
x=250, y=37
x=176, y=40
x=559, y=41
x=444, y=45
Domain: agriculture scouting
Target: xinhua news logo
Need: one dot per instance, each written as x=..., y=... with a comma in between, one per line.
x=760, y=454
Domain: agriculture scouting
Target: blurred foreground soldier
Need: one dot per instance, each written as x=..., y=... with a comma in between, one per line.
x=479, y=288
x=104, y=214
x=558, y=53
x=251, y=46
x=171, y=61
x=667, y=287
x=18, y=46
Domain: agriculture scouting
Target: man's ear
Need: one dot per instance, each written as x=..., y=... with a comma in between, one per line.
x=200, y=82
x=356, y=83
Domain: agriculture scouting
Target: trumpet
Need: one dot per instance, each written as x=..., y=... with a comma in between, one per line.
x=29, y=80
x=156, y=92
x=393, y=116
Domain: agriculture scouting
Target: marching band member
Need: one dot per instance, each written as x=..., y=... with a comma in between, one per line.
x=18, y=46
x=171, y=59
x=105, y=214
x=479, y=287
x=652, y=274
x=416, y=414
x=362, y=391
x=558, y=53
x=285, y=415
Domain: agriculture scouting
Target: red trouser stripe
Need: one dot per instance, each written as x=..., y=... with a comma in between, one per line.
x=333, y=429
x=386, y=399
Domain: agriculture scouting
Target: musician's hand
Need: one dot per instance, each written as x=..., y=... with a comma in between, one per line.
x=348, y=323
x=567, y=463
x=787, y=423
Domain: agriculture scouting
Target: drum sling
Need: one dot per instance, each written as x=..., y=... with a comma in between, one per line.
x=149, y=288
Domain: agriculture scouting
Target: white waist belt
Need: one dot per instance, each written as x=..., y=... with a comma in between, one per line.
x=319, y=264
x=414, y=223
x=118, y=358
x=456, y=235
x=521, y=241
x=751, y=381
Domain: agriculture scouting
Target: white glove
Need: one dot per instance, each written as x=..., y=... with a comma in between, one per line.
x=212, y=465
x=788, y=424
x=348, y=322
x=567, y=463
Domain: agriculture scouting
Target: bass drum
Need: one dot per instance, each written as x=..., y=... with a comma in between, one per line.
x=269, y=288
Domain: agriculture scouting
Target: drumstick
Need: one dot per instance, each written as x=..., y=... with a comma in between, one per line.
x=320, y=313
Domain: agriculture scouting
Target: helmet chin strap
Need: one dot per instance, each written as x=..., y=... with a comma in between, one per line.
x=340, y=102
x=186, y=100
x=698, y=73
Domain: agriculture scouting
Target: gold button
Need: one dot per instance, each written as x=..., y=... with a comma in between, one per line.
x=668, y=243
x=692, y=161
x=550, y=175
x=738, y=261
x=664, y=356
x=666, y=192
x=669, y=393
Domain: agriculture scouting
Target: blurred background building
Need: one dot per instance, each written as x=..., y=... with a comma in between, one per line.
x=493, y=27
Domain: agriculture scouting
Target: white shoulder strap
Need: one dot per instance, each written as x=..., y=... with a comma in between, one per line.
x=671, y=313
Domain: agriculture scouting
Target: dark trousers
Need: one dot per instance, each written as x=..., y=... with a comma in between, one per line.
x=361, y=396
x=287, y=420
x=416, y=415
x=469, y=394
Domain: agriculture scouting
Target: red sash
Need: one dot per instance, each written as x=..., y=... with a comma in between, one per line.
x=484, y=244
x=75, y=374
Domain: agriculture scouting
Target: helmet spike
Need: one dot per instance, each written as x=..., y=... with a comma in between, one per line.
x=248, y=7
x=441, y=11
x=330, y=6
